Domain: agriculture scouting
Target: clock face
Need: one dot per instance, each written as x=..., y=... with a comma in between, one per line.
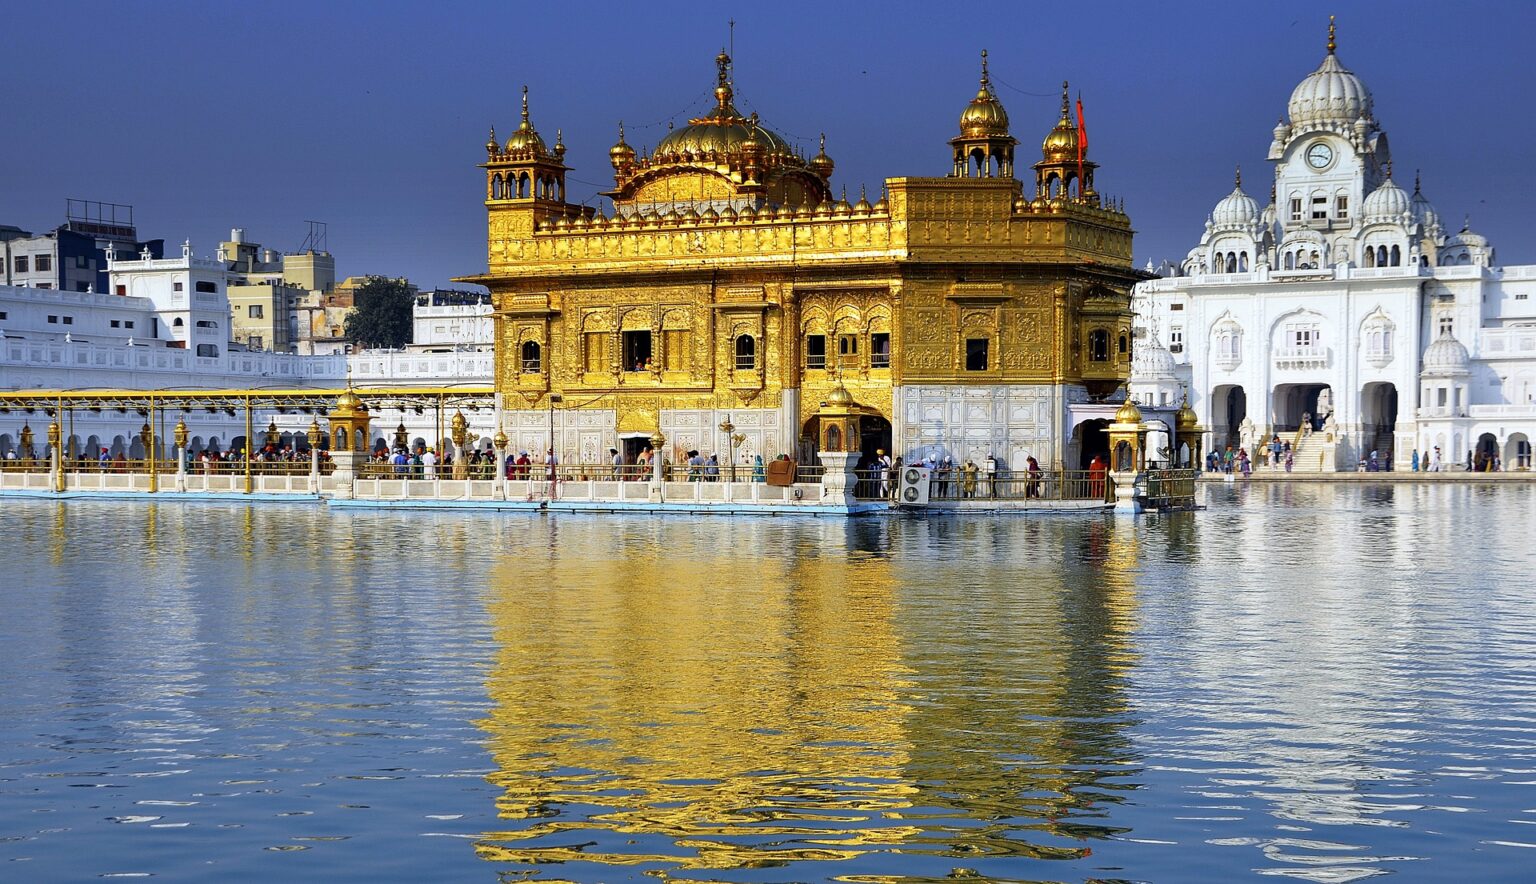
x=1319, y=155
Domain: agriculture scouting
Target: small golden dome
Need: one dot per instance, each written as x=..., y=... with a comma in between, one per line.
x=1061, y=142
x=1128, y=412
x=839, y=397
x=821, y=164
x=525, y=137
x=621, y=152
x=501, y=439
x=349, y=404
x=984, y=117
x=1185, y=420
x=491, y=143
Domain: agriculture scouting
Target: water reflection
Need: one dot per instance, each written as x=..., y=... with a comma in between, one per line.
x=706, y=707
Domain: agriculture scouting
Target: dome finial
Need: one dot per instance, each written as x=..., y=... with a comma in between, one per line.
x=525, y=104
x=1065, y=102
x=1332, y=44
x=1389, y=170
x=1238, y=178
x=985, y=81
x=621, y=131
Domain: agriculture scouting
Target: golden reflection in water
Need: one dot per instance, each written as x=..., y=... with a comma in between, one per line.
x=721, y=708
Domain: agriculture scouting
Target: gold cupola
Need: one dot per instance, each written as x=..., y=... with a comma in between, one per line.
x=1064, y=162
x=621, y=154
x=821, y=164
x=721, y=159
x=524, y=169
x=983, y=149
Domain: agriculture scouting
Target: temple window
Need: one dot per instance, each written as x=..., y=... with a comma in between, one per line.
x=1397, y=257
x=596, y=350
x=1341, y=207
x=1098, y=345
x=531, y=361
x=746, y=353
x=847, y=349
x=880, y=350
x=815, y=351
x=976, y=354
x=637, y=351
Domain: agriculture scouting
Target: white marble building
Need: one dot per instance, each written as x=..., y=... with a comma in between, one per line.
x=1344, y=306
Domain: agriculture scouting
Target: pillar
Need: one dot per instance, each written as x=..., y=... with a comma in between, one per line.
x=838, y=479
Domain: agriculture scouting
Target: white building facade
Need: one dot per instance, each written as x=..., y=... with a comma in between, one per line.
x=1341, y=317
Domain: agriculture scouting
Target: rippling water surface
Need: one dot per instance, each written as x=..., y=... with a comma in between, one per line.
x=1311, y=682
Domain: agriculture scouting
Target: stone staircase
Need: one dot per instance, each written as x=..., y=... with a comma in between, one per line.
x=1312, y=453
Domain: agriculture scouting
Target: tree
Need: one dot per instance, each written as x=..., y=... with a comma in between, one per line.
x=381, y=314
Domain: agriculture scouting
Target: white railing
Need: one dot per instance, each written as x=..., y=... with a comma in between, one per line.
x=1300, y=357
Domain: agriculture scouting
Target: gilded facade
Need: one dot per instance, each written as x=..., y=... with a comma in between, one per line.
x=730, y=281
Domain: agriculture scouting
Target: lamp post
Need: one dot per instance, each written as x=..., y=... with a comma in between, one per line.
x=459, y=433
x=549, y=458
x=727, y=428
x=56, y=455
x=501, y=442
x=658, y=467
x=180, y=435
x=147, y=436
x=315, y=435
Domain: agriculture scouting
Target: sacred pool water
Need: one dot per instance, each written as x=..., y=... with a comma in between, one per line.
x=1325, y=683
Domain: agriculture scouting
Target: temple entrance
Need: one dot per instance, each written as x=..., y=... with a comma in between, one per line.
x=874, y=435
x=1517, y=452
x=1229, y=405
x=632, y=446
x=1091, y=440
x=1295, y=403
x=1487, y=450
x=1378, y=417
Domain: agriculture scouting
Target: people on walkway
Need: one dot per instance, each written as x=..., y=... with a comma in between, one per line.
x=1032, y=469
x=1097, y=471
x=968, y=474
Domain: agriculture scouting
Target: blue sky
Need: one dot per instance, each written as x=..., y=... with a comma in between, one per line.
x=371, y=116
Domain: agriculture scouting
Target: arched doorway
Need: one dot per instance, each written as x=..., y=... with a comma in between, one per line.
x=1487, y=450
x=1229, y=405
x=1517, y=452
x=1294, y=403
x=1091, y=439
x=1378, y=417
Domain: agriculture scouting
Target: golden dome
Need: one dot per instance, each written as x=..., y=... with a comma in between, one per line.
x=621, y=152
x=525, y=137
x=349, y=404
x=1128, y=412
x=984, y=117
x=1185, y=420
x=839, y=397
x=821, y=164
x=1061, y=142
x=724, y=130
x=491, y=143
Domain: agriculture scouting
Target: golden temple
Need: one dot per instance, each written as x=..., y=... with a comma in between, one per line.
x=964, y=314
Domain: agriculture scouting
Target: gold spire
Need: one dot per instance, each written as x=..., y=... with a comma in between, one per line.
x=1332, y=44
x=986, y=83
x=525, y=104
x=1065, y=102
x=723, y=89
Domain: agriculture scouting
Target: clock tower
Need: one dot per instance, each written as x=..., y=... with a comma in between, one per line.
x=1328, y=157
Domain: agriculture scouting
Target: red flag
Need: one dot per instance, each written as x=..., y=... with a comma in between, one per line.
x=1082, y=146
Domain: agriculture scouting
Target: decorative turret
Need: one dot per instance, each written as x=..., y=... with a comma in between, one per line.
x=621, y=154
x=1064, y=161
x=983, y=149
x=524, y=169
x=821, y=164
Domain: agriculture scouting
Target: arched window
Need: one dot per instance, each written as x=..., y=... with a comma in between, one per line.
x=1370, y=257
x=1397, y=256
x=496, y=186
x=532, y=364
x=1125, y=344
x=1231, y=262
x=746, y=353
x=1098, y=345
x=1290, y=261
x=1242, y=262
x=1381, y=256
x=341, y=440
x=177, y=323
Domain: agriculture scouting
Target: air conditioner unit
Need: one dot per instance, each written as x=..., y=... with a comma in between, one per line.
x=914, y=486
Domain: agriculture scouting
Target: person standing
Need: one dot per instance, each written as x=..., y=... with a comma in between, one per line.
x=1415, y=460
x=1435, y=464
x=1032, y=468
x=968, y=475
x=429, y=464
x=990, y=468
x=617, y=460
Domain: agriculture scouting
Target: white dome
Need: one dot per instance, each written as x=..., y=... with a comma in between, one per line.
x=1236, y=209
x=1468, y=239
x=1386, y=203
x=1330, y=94
x=1446, y=356
x=1423, y=212
x=1154, y=362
